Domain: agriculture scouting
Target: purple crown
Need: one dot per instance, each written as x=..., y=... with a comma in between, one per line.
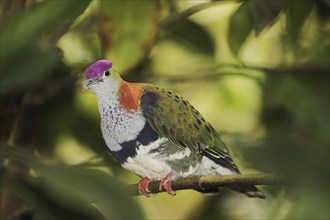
x=97, y=69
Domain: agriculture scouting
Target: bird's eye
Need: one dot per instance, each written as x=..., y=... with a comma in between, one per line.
x=107, y=73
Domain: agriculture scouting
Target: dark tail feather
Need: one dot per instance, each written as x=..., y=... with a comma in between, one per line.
x=209, y=192
x=250, y=191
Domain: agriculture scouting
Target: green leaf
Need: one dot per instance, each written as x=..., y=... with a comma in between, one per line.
x=42, y=17
x=192, y=34
x=297, y=14
x=30, y=70
x=240, y=25
x=89, y=190
x=252, y=15
x=46, y=207
x=26, y=56
x=127, y=29
x=265, y=13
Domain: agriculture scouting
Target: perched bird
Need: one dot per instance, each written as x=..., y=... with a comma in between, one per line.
x=155, y=133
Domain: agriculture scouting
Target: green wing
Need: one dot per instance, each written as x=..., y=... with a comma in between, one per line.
x=173, y=117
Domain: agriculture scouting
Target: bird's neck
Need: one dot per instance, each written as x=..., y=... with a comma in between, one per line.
x=124, y=95
x=106, y=94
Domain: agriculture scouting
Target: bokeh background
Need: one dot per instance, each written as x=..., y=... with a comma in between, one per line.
x=257, y=70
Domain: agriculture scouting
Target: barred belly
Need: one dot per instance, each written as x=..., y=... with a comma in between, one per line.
x=161, y=157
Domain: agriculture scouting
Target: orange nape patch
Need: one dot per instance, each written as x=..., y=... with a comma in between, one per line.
x=129, y=95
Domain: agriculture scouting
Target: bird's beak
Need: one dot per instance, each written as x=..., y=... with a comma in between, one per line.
x=89, y=82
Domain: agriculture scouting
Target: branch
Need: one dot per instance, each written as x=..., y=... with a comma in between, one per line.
x=208, y=182
x=211, y=74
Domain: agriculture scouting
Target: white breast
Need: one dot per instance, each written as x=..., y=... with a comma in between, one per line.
x=118, y=125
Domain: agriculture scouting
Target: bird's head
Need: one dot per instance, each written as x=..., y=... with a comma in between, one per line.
x=101, y=76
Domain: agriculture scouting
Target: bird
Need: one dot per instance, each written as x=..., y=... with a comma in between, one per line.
x=156, y=133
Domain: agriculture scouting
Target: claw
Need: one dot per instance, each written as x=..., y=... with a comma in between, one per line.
x=143, y=187
x=166, y=184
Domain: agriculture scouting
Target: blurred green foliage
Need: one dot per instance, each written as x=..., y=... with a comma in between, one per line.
x=70, y=188
x=258, y=70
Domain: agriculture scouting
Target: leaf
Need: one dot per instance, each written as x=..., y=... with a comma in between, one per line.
x=127, y=29
x=88, y=190
x=46, y=207
x=297, y=14
x=42, y=17
x=29, y=71
x=240, y=25
x=192, y=35
x=26, y=57
x=265, y=13
x=256, y=15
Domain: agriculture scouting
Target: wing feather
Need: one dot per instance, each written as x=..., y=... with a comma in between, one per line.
x=173, y=117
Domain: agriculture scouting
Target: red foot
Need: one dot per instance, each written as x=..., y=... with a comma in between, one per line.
x=166, y=184
x=143, y=187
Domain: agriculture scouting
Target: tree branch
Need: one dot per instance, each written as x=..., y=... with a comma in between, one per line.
x=211, y=74
x=208, y=182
